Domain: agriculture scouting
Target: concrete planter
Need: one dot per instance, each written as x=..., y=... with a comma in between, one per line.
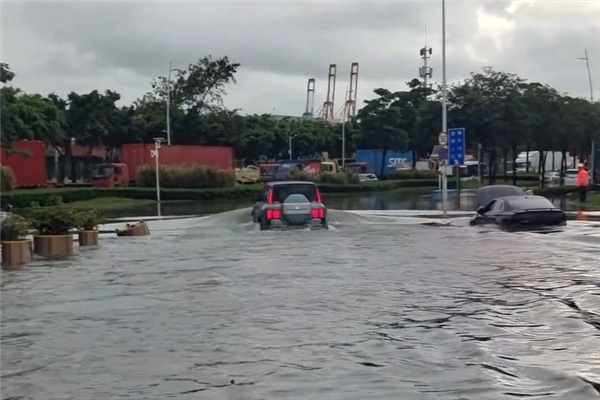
x=88, y=238
x=53, y=246
x=16, y=252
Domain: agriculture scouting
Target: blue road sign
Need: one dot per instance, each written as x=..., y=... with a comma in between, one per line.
x=456, y=146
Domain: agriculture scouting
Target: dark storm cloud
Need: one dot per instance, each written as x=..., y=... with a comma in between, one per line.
x=303, y=42
x=55, y=46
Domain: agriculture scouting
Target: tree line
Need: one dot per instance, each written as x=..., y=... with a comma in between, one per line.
x=502, y=112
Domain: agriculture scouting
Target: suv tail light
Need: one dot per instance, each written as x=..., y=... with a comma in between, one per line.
x=270, y=200
x=318, y=213
x=273, y=214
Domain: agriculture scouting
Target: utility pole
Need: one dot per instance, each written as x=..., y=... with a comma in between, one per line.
x=593, y=146
x=444, y=108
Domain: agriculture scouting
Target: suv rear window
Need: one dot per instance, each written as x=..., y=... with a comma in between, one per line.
x=281, y=192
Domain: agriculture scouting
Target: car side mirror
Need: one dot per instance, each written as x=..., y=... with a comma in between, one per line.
x=481, y=210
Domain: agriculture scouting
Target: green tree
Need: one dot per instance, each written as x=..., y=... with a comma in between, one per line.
x=381, y=123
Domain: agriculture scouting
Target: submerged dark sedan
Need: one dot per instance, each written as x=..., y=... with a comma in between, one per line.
x=518, y=211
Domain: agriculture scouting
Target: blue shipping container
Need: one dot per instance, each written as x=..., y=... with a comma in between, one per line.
x=393, y=160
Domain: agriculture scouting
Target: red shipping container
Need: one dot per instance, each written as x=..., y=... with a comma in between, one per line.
x=138, y=154
x=29, y=169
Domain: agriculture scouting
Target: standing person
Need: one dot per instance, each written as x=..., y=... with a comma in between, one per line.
x=583, y=180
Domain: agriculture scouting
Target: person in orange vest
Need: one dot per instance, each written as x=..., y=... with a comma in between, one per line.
x=583, y=180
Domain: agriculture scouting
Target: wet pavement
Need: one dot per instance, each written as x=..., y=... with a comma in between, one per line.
x=381, y=306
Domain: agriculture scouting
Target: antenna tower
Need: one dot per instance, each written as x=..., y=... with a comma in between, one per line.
x=425, y=71
x=310, y=99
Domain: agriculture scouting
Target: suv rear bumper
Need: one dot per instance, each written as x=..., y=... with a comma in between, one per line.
x=282, y=225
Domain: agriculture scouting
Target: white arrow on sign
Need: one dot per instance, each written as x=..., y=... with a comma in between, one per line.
x=442, y=139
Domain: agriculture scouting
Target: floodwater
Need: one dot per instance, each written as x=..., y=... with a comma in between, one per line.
x=381, y=306
x=378, y=201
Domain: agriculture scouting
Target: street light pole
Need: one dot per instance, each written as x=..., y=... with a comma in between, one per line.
x=155, y=154
x=169, y=105
x=290, y=136
x=344, y=116
x=593, y=147
x=444, y=107
x=171, y=69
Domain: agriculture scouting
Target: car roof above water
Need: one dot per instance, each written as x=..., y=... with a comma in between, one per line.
x=525, y=202
x=488, y=193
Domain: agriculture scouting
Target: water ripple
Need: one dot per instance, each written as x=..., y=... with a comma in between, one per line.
x=387, y=310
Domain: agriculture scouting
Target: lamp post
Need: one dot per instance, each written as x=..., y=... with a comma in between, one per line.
x=593, y=146
x=290, y=137
x=444, y=107
x=344, y=117
x=155, y=153
x=171, y=69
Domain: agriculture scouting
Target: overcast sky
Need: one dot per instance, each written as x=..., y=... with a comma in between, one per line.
x=81, y=46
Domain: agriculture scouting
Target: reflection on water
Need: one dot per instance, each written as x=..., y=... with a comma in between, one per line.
x=177, y=208
x=378, y=201
x=401, y=201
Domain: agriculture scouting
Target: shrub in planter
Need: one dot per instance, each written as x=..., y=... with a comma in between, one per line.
x=88, y=221
x=7, y=179
x=53, y=225
x=14, y=227
x=184, y=177
x=16, y=250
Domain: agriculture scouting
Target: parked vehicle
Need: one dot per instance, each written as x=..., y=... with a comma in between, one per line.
x=27, y=162
x=356, y=168
x=367, y=177
x=309, y=165
x=267, y=172
x=138, y=154
x=109, y=175
x=330, y=166
x=470, y=170
x=552, y=176
x=530, y=162
x=378, y=166
x=571, y=177
x=247, y=175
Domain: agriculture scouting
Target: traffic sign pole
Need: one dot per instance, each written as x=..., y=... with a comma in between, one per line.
x=456, y=153
x=443, y=141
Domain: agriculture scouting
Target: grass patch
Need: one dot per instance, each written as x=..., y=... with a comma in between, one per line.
x=592, y=203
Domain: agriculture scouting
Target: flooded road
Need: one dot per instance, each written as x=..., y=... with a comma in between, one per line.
x=378, y=307
x=400, y=200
